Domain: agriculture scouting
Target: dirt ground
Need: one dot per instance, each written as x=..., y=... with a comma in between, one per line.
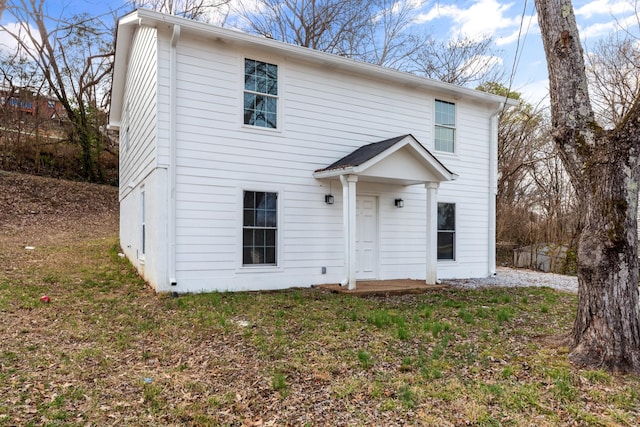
x=38, y=211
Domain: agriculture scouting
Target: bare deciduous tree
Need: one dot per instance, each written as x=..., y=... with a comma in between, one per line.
x=390, y=41
x=74, y=57
x=517, y=143
x=555, y=198
x=463, y=61
x=335, y=26
x=378, y=31
x=613, y=69
x=534, y=201
x=604, y=166
x=19, y=81
x=198, y=10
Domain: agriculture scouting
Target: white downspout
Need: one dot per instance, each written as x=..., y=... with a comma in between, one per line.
x=493, y=188
x=171, y=223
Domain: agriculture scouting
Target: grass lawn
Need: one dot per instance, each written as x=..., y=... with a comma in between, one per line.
x=107, y=351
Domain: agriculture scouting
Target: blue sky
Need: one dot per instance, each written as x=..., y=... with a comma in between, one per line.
x=512, y=25
x=514, y=28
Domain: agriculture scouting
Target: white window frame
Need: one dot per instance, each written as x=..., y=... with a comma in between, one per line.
x=437, y=125
x=454, y=232
x=277, y=97
x=143, y=224
x=277, y=228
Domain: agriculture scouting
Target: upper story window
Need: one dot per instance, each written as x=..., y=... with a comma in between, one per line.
x=445, y=129
x=260, y=94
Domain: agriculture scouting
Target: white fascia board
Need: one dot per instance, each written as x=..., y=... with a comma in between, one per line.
x=432, y=161
x=427, y=159
x=124, y=34
x=334, y=173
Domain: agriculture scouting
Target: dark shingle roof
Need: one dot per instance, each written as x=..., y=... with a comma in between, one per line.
x=364, y=153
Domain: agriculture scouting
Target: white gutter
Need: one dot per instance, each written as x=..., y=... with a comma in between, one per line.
x=171, y=185
x=493, y=190
x=155, y=19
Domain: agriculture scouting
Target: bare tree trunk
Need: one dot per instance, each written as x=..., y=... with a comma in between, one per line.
x=603, y=166
x=606, y=332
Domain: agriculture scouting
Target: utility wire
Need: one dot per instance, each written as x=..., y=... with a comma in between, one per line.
x=518, y=52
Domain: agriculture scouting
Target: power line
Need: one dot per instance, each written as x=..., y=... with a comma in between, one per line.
x=518, y=52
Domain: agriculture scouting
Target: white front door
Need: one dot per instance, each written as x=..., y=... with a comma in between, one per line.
x=366, y=237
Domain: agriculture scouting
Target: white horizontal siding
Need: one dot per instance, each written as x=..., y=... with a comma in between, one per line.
x=137, y=159
x=325, y=115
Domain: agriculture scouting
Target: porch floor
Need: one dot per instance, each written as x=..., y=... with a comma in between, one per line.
x=384, y=287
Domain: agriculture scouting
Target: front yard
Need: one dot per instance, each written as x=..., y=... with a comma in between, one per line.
x=108, y=351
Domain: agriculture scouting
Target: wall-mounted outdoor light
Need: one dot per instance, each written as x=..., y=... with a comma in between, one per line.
x=328, y=199
x=399, y=203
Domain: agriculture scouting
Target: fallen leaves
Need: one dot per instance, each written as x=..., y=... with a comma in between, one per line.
x=108, y=351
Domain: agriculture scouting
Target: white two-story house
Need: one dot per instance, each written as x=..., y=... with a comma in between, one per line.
x=252, y=164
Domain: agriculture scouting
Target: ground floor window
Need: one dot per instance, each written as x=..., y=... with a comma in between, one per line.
x=143, y=224
x=446, y=231
x=259, y=228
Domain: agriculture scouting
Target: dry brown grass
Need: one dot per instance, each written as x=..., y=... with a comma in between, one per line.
x=108, y=351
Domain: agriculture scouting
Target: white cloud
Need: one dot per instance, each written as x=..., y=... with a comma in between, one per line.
x=8, y=44
x=481, y=20
x=529, y=29
x=604, y=7
x=536, y=92
x=597, y=30
x=600, y=29
x=230, y=14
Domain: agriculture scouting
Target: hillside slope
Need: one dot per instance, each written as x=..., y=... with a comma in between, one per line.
x=37, y=211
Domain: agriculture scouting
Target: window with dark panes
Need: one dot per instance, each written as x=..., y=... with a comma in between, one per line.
x=143, y=224
x=260, y=94
x=445, y=129
x=259, y=228
x=446, y=231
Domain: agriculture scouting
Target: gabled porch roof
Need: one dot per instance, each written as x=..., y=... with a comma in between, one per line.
x=401, y=160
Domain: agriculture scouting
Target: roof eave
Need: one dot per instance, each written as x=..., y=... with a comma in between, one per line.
x=335, y=173
x=125, y=30
x=152, y=18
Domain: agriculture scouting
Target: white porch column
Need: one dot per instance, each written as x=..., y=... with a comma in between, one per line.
x=432, y=233
x=349, y=220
